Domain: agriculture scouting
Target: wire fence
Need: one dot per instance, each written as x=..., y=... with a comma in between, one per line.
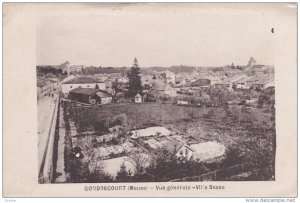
x=221, y=174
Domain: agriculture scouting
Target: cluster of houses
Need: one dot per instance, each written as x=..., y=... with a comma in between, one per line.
x=86, y=90
x=183, y=86
x=160, y=137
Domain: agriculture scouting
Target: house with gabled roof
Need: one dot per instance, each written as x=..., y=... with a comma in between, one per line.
x=83, y=82
x=181, y=150
x=204, y=151
x=90, y=96
x=169, y=77
x=270, y=83
x=185, y=152
x=243, y=83
x=68, y=78
x=259, y=69
x=202, y=82
x=163, y=89
x=138, y=98
x=263, y=82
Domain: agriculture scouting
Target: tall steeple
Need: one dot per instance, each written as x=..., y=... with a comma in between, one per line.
x=251, y=62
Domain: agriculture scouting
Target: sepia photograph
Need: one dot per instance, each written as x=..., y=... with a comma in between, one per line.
x=150, y=99
x=154, y=101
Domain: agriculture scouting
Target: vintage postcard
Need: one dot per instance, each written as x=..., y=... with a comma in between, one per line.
x=150, y=100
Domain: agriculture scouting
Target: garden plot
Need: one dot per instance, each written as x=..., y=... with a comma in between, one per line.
x=112, y=166
x=156, y=143
x=152, y=131
x=96, y=147
x=178, y=138
x=106, y=151
x=208, y=150
x=156, y=137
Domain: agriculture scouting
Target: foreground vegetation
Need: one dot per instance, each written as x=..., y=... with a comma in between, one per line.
x=247, y=133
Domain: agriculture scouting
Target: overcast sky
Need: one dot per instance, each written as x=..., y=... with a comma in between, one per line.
x=196, y=35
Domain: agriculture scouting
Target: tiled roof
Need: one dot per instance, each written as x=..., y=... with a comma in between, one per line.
x=264, y=79
x=90, y=91
x=103, y=93
x=257, y=79
x=138, y=96
x=243, y=80
x=257, y=67
x=237, y=78
x=173, y=146
x=201, y=82
x=82, y=80
x=85, y=91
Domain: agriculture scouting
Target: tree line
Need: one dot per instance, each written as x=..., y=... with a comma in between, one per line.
x=44, y=70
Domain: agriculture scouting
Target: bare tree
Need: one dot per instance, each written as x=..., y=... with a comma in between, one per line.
x=140, y=161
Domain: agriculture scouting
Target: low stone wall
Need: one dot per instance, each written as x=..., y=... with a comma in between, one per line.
x=46, y=168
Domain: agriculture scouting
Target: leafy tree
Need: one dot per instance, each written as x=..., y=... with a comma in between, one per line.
x=232, y=66
x=123, y=175
x=48, y=71
x=78, y=171
x=149, y=97
x=98, y=176
x=234, y=156
x=220, y=97
x=117, y=92
x=59, y=71
x=139, y=161
x=134, y=75
x=267, y=98
x=167, y=166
